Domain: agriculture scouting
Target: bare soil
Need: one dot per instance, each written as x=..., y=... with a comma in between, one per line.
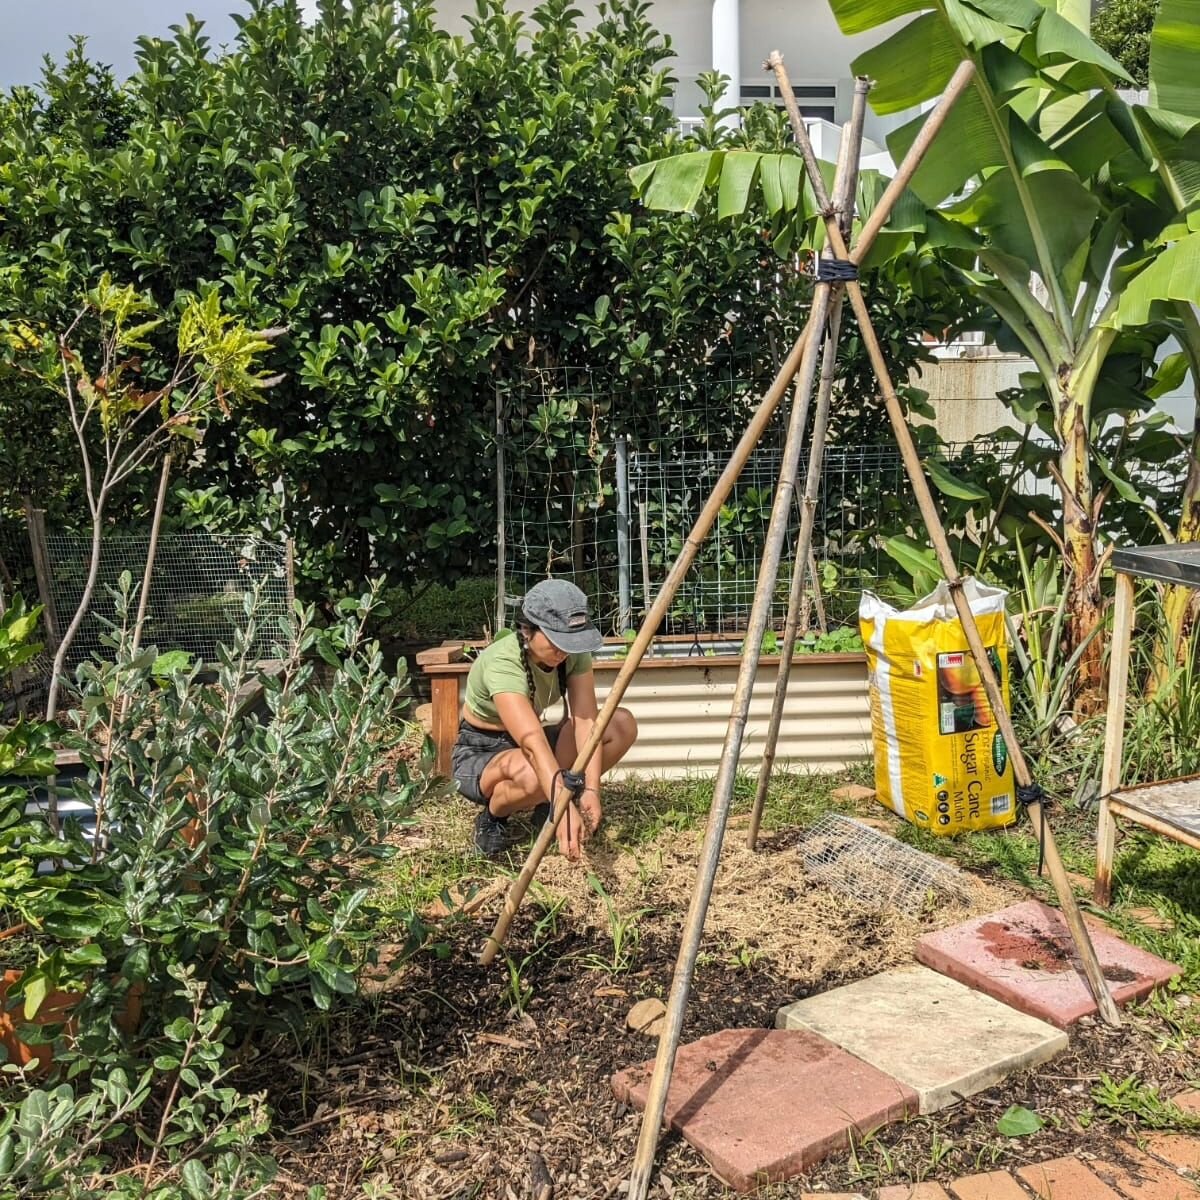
x=453, y=1080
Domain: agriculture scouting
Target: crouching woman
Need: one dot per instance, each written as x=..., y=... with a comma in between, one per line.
x=505, y=759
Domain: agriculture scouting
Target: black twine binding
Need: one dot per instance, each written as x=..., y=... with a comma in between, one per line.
x=574, y=782
x=1026, y=796
x=834, y=270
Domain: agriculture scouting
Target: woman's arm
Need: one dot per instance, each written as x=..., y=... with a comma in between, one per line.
x=581, y=691
x=524, y=727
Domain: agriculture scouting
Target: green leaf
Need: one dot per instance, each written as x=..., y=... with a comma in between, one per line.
x=1060, y=41
x=197, y=1180
x=913, y=65
x=737, y=178
x=1171, y=373
x=37, y=988
x=675, y=184
x=1174, y=53
x=857, y=16
x=1019, y=1122
x=950, y=485
x=965, y=147
x=1173, y=275
x=919, y=561
x=1063, y=208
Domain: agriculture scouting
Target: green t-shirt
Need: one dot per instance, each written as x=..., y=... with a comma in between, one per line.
x=499, y=669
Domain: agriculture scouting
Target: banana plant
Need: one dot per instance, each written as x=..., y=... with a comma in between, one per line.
x=1028, y=195
x=1164, y=139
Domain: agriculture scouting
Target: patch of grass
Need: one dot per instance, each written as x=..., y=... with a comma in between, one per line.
x=1131, y=1102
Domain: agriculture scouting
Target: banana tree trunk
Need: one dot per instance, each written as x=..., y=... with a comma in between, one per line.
x=1179, y=603
x=1085, y=604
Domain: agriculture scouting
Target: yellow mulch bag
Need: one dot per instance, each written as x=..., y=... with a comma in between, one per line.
x=940, y=760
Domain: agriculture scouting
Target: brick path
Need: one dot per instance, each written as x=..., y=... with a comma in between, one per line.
x=1157, y=1174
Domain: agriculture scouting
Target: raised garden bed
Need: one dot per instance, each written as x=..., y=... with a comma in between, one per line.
x=681, y=696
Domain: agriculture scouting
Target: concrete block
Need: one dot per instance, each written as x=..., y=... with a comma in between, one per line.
x=766, y=1105
x=932, y=1033
x=1024, y=955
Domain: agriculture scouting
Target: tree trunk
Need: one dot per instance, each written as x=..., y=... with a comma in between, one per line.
x=1085, y=605
x=60, y=656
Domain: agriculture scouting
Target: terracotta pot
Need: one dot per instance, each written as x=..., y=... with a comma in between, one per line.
x=55, y=1010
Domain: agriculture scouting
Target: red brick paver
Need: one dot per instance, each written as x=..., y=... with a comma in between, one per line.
x=914, y=1191
x=1189, y=1101
x=1179, y=1149
x=991, y=1185
x=1145, y=1179
x=1025, y=956
x=762, y=1105
x=1065, y=1179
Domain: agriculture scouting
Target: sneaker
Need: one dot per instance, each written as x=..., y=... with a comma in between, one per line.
x=539, y=817
x=492, y=834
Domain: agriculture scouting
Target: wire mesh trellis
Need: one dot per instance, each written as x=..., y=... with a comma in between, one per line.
x=198, y=590
x=607, y=498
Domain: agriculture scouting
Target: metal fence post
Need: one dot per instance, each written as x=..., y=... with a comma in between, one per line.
x=624, y=562
x=501, y=541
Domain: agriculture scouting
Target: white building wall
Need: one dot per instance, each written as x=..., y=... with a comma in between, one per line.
x=815, y=51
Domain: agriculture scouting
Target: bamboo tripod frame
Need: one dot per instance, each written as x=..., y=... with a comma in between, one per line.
x=708, y=515
x=802, y=359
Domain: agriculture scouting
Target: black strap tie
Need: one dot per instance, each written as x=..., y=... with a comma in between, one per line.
x=1032, y=794
x=834, y=270
x=1026, y=796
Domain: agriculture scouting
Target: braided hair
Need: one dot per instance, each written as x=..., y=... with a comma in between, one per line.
x=523, y=634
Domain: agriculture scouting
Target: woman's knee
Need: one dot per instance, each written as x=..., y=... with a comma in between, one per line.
x=623, y=729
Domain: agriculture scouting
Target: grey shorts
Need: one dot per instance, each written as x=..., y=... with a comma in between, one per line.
x=474, y=748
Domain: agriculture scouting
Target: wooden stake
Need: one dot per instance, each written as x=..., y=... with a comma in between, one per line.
x=1114, y=734
x=669, y=1038
x=658, y=610
x=760, y=611
x=937, y=535
x=843, y=203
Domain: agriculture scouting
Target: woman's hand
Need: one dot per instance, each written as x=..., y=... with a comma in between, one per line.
x=571, y=833
x=591, y=811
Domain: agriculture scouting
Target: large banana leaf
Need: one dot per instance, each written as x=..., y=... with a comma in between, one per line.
x=1021, y=148
x=1174, y=53
x=1173, y=275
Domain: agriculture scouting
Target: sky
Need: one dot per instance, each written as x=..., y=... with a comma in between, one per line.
x=33, y=28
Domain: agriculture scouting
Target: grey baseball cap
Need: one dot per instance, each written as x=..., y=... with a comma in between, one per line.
x=560, y=610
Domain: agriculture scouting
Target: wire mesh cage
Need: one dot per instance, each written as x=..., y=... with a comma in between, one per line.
x=199, y=589
x=877, y=871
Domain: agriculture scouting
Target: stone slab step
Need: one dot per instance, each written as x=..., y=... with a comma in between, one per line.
x=934, y=1034
x=1024, y=956
x=765, y=1105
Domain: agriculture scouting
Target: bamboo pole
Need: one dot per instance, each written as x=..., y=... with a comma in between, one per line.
x=714, y=834
x=669, y=1039
x=843, y=203
x=874, y=224
x=937, y=534
x=658, y=610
